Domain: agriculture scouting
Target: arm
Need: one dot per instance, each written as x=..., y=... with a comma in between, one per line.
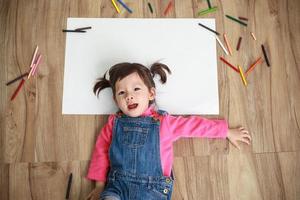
x=99, y=164
x=195, y=126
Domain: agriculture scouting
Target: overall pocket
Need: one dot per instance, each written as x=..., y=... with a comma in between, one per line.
x=134, y=136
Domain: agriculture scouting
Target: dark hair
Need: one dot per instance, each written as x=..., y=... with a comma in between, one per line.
x=121, y=70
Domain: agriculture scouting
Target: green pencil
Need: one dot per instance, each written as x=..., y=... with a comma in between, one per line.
x=234, y=19
x=203, y=12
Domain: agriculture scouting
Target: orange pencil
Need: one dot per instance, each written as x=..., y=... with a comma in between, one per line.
x=168, y=8
x=252, y=66
x=227, y=44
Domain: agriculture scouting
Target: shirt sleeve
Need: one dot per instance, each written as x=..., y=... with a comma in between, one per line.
x=99, y=164
x=196, y=126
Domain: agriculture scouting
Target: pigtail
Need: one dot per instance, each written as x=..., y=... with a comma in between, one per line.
x=101, y=84
x=160, y=69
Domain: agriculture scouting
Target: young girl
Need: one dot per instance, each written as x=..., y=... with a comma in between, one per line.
x=133, y=155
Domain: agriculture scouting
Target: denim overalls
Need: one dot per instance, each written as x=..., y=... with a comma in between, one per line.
x=135, y=164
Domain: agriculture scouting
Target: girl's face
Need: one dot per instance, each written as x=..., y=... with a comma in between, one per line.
x=132, y=95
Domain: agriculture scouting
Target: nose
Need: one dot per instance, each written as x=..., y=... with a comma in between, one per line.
x=129, y=97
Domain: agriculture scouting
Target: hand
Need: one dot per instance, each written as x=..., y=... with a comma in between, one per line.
x=238, y=134
x=95, y=194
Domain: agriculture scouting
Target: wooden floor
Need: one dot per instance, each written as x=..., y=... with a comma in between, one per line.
x=39, y=146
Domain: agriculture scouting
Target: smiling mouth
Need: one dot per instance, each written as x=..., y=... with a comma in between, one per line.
x=132, y=106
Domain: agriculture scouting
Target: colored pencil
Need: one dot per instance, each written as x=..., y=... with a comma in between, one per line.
x=83, y=28
x=265, y=55
x=30, y=72
x=236, y=20
x=220, y=43
x=252, y=66
x=208, y=2
x=17, y=90
x=242, y=76
x=33, y=67
x=115, y=5
x=243, y=18
x=208, y=29
x=16, y=79
x=227, y=44
x=203, y=12
x=69, y=186
x=239, y=43
x=34, y=55
x=253, y=36
x=168, y=8
x=74, y=31
x=230, y=65
x=37, y=64
x=150, y=7
x=125, y=6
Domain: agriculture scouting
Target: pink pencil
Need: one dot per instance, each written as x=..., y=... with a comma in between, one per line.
x=36, y=64
x=34, y=55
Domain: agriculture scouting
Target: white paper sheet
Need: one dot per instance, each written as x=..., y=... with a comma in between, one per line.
x=188, y=49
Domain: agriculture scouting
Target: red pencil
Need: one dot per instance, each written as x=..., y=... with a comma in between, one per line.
x=168, y=8
x=252, y=66
x=17, y=90
x=230, y=65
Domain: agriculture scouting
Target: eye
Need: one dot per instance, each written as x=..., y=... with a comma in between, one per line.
x=121, y=93
x=137, y=89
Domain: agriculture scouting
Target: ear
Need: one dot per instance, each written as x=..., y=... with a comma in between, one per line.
x=152, y=94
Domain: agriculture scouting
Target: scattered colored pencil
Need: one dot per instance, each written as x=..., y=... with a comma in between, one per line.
x=227, y=44
x=265, y=55
x=208, y=3
x=17, y=90
x=253, y=36
x=74, y=31
x=16, y=79
x=115, y=5
x=150, y=7
x=239, y=43
x=243, y=18
x=252, y=66
x=230, y=65
x=220, y=43
x=34, y=55
x=125, y=6
x=204, y=12
x=168, y=7
x=83, y=28
x=208, y=28
x=242, y=76
x=36, y=64
x=69, y=186
x=236, y=20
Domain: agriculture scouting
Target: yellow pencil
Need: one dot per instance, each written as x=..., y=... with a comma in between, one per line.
x=115, y=5
x=242, y=76
x=227, y=44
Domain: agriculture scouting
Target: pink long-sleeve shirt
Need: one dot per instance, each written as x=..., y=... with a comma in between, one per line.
x=171, y=129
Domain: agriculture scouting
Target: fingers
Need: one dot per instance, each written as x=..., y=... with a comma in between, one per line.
x=246, y=135
x=244, y=140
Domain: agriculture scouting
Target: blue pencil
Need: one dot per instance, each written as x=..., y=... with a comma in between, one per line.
x=125, y=6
